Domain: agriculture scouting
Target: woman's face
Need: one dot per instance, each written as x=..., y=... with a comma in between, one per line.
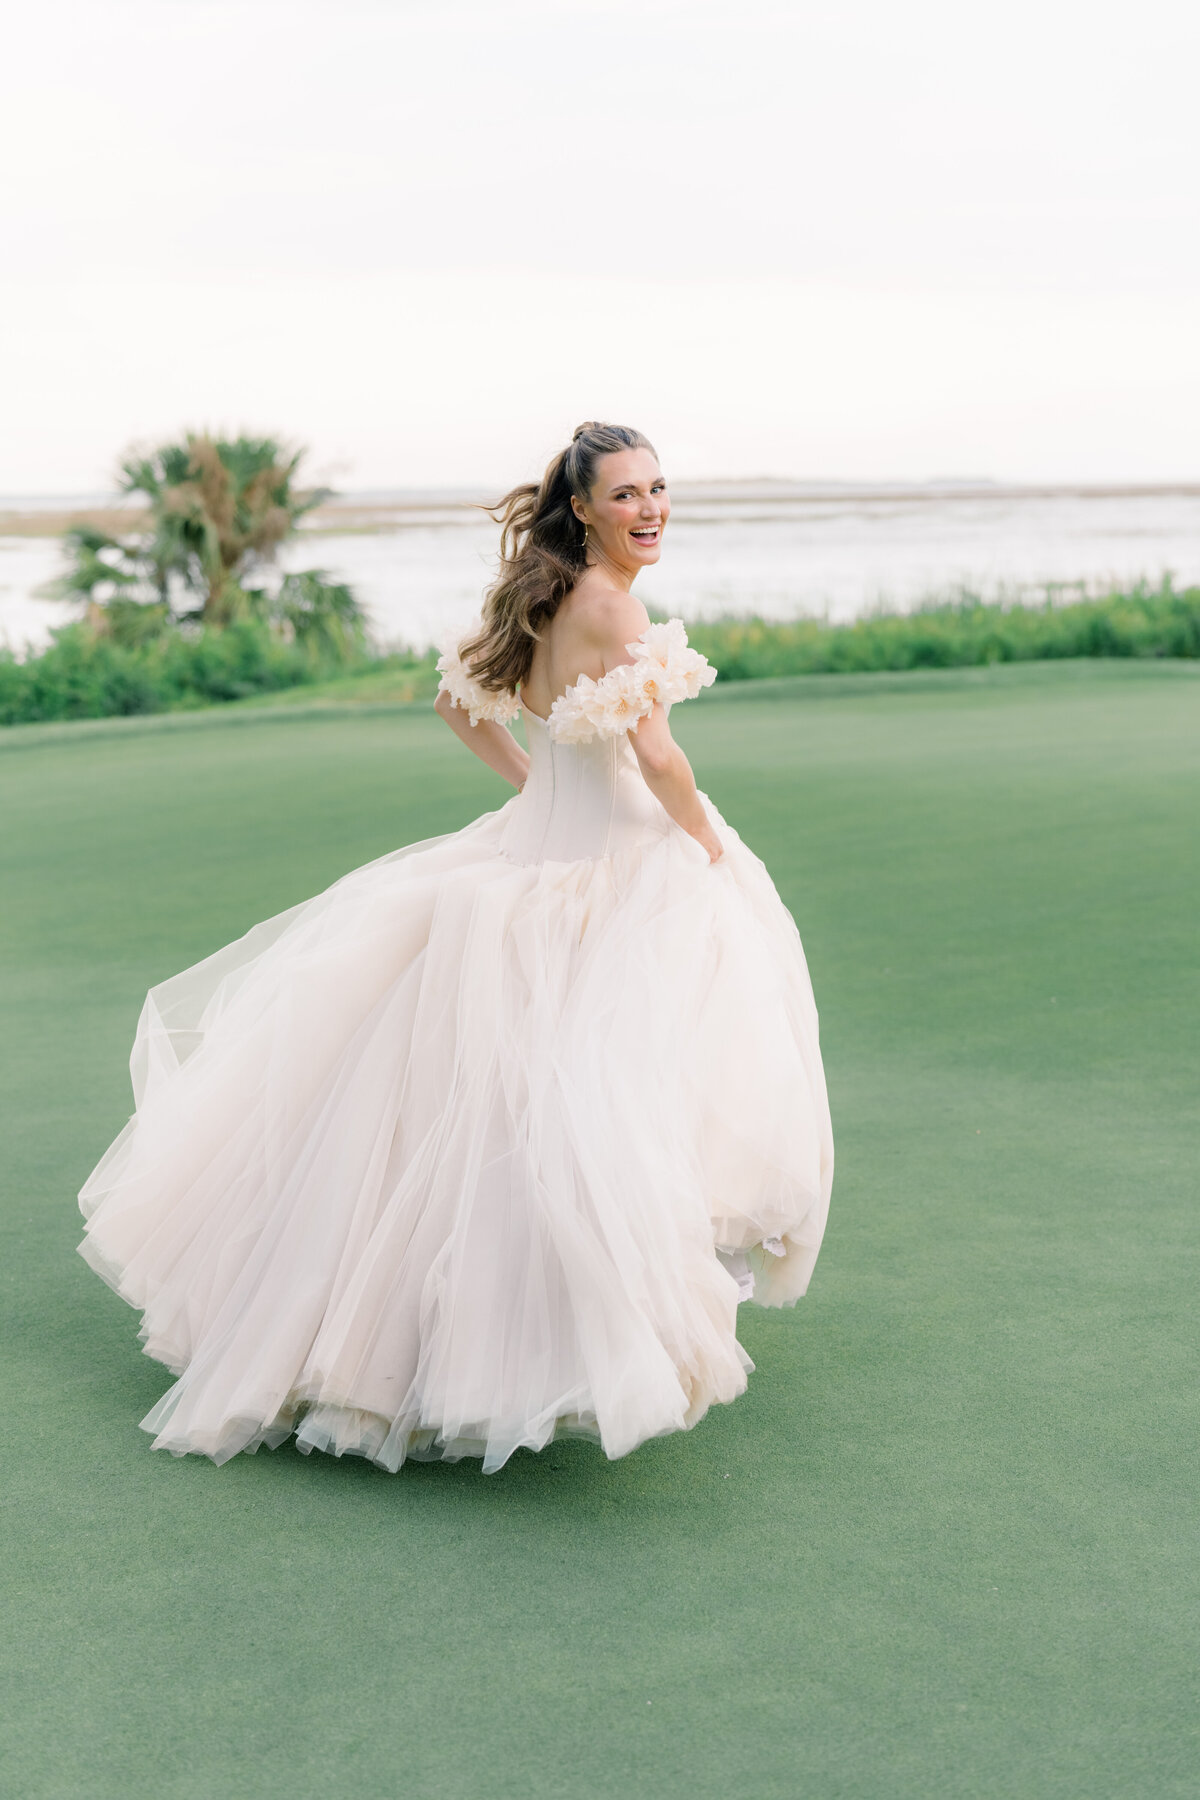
x=627, y=510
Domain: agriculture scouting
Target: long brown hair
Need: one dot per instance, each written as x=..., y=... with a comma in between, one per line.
x=542, y=554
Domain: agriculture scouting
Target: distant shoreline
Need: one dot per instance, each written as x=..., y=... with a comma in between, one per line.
x=377, y=510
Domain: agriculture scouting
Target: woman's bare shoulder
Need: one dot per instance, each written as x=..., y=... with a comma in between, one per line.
x=609, y=618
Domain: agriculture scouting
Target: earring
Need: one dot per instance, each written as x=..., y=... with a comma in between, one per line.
x=585, y=537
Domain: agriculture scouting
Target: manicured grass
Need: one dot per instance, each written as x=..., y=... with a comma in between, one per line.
x=945, y=1546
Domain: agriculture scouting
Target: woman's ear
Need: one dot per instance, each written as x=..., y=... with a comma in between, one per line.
x=578, y=510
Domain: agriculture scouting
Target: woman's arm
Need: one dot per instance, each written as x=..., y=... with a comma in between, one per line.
x=665, y=769
x=668, y=775
x=493, y=744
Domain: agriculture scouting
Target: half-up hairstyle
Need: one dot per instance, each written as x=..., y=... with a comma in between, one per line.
x=542, y=555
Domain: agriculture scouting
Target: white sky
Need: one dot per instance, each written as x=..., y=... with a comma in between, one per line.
x=834, y=238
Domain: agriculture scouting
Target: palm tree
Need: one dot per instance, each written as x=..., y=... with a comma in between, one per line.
x=323, y=614
x=103, y=570
x=218, y=510
x=219, y=507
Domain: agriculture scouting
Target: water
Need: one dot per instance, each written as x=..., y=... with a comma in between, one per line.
x=778, y=551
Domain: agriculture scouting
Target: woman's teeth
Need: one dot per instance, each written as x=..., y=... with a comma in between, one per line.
x=646, y=533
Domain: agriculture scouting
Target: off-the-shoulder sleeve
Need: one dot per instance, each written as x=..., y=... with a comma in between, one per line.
x=665, y=668
x=457, y=681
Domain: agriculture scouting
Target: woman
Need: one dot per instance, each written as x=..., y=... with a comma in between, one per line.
x=485, y=1143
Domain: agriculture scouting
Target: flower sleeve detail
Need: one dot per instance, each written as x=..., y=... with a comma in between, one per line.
x=664, y=669
x=668, y=668
x=457, y=680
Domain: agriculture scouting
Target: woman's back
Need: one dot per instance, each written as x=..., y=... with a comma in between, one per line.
x=580, y=799
x=586, y=636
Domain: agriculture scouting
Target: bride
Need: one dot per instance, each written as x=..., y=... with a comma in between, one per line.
x=485, y=1143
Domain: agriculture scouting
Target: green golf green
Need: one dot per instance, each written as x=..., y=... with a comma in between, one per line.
x=945, y=1546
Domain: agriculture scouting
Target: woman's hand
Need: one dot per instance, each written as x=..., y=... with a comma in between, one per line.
x=708, y=840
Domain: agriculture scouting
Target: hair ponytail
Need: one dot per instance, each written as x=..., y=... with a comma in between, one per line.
x=542, y=554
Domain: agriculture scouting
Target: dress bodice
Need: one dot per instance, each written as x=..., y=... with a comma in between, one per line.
x=584, y=795
x=583, y=799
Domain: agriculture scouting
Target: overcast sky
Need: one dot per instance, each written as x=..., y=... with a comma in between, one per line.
x=846, y=239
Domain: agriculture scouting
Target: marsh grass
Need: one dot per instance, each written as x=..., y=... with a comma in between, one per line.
x=962, y=632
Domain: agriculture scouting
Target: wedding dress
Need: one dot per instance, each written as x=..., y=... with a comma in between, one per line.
x=484, y=1143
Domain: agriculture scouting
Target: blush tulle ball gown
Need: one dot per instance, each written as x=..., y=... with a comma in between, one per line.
x=485, y=1143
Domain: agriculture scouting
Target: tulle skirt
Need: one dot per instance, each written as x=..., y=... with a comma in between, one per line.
x=460, y=1154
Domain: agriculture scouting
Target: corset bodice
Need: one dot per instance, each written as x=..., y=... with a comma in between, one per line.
x=584, y=796
x=580, y=800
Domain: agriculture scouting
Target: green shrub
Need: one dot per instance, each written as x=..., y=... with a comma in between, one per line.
x=143, y=663
x=86, y=675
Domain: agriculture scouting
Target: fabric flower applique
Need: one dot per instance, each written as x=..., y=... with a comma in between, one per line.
x=678, y=671
x=664, y=669
x=464, y=690
x=604, y=708
x=575, y=716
